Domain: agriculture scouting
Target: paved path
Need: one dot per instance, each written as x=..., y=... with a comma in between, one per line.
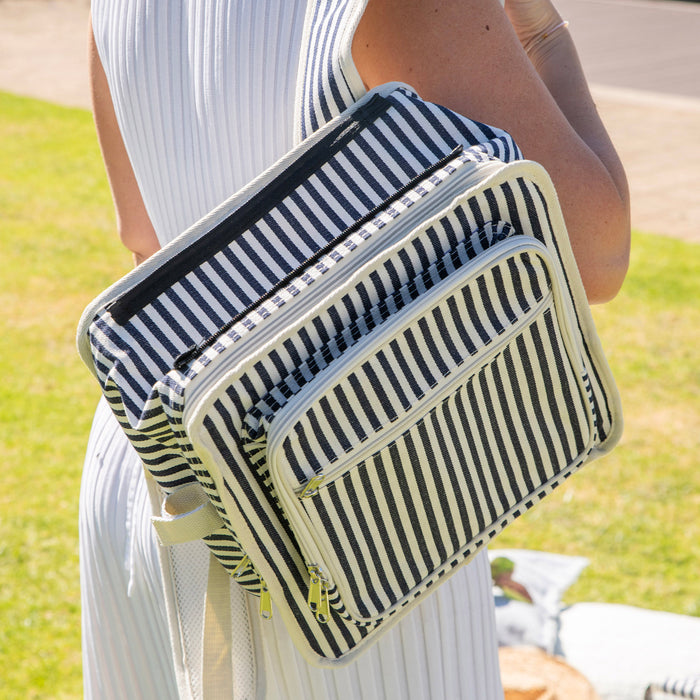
x=641, y=56
x=43, y=50
x=638, y=44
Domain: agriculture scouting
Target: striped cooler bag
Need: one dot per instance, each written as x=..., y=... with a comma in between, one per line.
x=354, y=373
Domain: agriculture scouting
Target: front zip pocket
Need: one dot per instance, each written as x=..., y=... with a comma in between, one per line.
x=427, y=435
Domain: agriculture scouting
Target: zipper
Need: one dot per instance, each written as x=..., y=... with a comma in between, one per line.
x=265, y=608
x=194, y=350
x=224, y=233
x=243, y=565
x=312, y=485
x=318, y=593
x=265, y=605
x=463, y=180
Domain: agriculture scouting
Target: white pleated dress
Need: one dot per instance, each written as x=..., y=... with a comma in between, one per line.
x=205, y=92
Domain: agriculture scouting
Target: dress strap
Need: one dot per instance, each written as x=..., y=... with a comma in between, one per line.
x=328, y=81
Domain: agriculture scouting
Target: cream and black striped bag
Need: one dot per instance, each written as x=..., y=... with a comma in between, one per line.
x=357, y=371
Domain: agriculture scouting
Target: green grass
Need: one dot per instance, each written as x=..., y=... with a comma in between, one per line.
x=633, y=513
x=58, y=250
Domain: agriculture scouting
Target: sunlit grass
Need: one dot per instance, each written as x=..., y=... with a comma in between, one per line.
x=58, y=249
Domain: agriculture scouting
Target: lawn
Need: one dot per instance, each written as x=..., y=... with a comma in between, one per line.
x=58, y=250
x=634, y=514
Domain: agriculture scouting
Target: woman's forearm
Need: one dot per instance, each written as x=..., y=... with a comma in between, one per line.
x=558, y=65
x=465, y=55
x=556, y=60
x=133, y=223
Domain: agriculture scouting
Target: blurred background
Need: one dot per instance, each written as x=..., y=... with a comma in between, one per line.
x=619, y=590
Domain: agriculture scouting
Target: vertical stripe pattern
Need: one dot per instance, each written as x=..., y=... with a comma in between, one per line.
x=325, y=89
x=389, y=322
x=680, y=688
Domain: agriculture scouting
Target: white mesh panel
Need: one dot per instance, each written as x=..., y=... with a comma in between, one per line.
x=190, y=572
x=242, y=648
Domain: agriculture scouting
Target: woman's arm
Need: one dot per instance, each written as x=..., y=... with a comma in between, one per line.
x=468, y=56
x=133, y=223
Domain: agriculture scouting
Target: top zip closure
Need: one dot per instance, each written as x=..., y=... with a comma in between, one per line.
x=441, y=197
x=191, y=352
x=186, y=260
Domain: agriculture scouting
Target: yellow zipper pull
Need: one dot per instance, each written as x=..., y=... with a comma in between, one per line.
x=242, y=566
x=323, y=613
x=265, y=602
x=318, y=594
x=314, y=598
x=311, y=488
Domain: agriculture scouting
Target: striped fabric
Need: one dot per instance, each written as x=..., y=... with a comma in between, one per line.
x=481, y=338
x=325, y=90
x=372, y=361
x=680, y=688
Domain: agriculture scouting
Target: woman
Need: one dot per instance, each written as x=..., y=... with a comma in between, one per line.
x=191, y=101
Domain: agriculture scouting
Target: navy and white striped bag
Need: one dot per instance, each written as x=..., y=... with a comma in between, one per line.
x=354, y=373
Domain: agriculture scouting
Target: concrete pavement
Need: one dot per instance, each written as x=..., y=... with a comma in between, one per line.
x=638, y=44
x=642, y=58
x=43, y=50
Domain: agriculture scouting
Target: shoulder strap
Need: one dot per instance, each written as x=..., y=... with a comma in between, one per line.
x=327, y=81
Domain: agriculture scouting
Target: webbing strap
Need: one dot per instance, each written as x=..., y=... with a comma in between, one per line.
x=189, y=515
x=217, y=681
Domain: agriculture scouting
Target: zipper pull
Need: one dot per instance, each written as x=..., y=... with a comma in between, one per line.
x=265, y=601
x=318, y=594
x=184, y=357
x=314, y=598
x=312, y=486
x=241, y=568
x=323, y=614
